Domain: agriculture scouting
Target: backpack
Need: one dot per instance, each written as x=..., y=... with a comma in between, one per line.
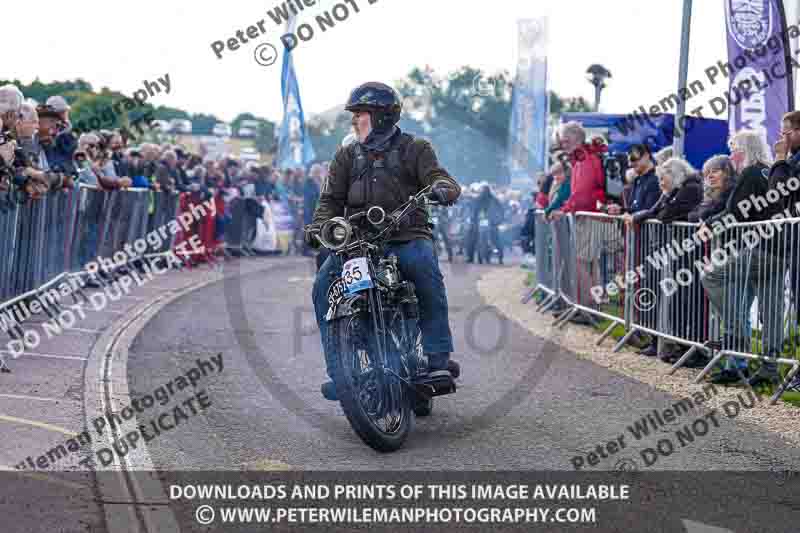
x=394, y=158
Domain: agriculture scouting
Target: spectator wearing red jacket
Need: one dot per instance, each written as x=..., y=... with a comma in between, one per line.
x=587, y=190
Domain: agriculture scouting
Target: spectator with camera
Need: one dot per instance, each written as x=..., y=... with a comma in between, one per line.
x=26, y=165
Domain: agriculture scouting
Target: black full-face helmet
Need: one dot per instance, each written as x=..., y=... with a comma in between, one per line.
x=380, y=101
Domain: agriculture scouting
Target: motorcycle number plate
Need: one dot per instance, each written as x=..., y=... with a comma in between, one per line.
x=336, y=291
x=355, y=275
x=484, y=223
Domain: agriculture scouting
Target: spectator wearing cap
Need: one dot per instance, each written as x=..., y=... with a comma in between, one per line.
x=59, y=145
x=60, y=106
x=20, y=122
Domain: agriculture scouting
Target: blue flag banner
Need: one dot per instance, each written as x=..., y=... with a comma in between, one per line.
x=294, y=144
x=761, y=86
x=529, y=104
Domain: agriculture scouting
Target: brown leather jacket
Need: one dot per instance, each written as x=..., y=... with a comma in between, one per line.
x=385, y=180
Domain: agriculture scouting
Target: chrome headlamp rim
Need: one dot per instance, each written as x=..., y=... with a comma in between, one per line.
x=326, y=232
x=378, y=209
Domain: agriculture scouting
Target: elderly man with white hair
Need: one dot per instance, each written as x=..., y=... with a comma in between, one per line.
x=587, y=190
x=11, y=99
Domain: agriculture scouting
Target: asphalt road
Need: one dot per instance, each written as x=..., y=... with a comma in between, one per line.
x=522, y=403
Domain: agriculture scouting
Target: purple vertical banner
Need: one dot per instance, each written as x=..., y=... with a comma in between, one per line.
x=761, y=87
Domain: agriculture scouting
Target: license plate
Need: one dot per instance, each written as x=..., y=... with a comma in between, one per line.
x=355, y=275
x=335, y=291
x=484, y=223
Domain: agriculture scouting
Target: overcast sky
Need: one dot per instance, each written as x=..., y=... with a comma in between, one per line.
x=120, y=44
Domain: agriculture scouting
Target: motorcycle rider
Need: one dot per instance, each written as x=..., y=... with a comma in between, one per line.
x=383, y=168
x=485, y=205
x=441, y=226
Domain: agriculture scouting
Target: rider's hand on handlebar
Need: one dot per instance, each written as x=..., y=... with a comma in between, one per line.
x=439, y=192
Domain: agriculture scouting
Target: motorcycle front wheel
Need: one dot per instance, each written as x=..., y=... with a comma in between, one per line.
x=375, y=403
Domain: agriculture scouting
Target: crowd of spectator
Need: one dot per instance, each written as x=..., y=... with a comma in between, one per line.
x=39, y=153
x=659, y=186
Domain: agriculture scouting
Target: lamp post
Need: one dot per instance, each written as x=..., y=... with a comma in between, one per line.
x=680, y=121
x=597, y=76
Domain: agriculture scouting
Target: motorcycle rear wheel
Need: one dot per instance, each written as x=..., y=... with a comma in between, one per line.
x=375, y=403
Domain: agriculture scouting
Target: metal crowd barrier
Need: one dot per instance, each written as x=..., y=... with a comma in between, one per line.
x=163, y=208
x=9, y=228
x=726, y=293
x=51, y=239
x=544, y=261
x=667, y=300
x=597, y=255
x=747, y=271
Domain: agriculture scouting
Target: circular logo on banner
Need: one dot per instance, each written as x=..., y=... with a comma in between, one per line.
x=750, y=22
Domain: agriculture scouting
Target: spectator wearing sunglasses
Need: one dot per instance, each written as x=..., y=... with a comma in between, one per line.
x=94, y=167
x=645, y=190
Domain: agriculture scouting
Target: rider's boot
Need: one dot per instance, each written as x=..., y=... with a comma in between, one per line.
x=329, y=391
x=440, y=365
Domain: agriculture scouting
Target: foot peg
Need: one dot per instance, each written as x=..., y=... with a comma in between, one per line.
x=435, y=384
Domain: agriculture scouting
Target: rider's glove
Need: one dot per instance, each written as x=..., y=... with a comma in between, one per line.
x=309, y=235
x=440, y=191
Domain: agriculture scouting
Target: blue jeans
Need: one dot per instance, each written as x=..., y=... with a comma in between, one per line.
x=419, y=265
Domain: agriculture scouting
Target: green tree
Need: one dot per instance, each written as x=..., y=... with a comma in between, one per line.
x=265, y=137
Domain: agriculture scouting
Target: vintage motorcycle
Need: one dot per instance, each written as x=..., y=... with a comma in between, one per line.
x=372, y=328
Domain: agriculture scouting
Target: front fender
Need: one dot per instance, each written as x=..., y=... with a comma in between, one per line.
x=345, y=306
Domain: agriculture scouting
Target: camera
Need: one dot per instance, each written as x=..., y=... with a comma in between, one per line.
x=615, y=165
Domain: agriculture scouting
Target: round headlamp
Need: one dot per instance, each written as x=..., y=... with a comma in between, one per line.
x=376, y=215
x=335, y=233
